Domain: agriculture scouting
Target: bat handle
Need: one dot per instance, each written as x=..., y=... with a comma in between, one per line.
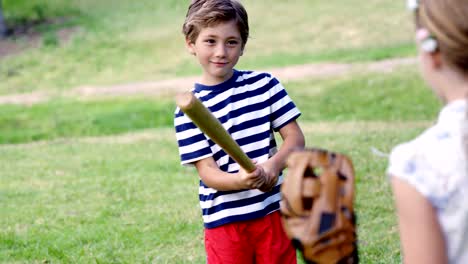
x=246, y=163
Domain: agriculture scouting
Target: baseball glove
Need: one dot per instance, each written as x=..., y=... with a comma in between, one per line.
x=317, y=206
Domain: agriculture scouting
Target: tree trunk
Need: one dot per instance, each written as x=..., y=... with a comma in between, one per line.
x=3, y=26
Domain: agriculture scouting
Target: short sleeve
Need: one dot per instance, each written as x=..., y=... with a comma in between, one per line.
x=415, y=164
x=193, y=144
x=283, y=109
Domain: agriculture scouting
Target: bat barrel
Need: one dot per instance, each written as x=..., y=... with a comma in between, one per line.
x=211, y=126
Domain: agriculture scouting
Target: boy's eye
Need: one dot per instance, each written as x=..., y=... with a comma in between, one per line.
x=232, y=42
x=210, y=41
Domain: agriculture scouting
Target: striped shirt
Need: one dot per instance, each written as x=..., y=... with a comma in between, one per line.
x=251, y=106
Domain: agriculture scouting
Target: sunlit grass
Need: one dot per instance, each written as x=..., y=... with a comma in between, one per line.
x=142, y=40
x=398, y=96
x=114, y=201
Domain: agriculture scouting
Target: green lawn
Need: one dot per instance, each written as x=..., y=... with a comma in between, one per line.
x=83, y=197
x=400, y=96
x=86, y=201
x=119, y=41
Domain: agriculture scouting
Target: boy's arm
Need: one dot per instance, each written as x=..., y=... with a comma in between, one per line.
x=217, y=179
x=293, y=138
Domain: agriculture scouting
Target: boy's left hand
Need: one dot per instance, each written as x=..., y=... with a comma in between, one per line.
x=271, y=176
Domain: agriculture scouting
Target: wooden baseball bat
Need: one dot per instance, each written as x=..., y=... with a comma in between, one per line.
x=210, y=125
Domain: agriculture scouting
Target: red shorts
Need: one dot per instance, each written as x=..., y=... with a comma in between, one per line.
x=256, y=241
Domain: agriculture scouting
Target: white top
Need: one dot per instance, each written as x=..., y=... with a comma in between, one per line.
x=436, y=164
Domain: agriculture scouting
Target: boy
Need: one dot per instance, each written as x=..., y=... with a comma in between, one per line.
x=242, y=223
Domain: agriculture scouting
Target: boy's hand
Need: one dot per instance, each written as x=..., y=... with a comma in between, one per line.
x=252, y=180
x=271, y=176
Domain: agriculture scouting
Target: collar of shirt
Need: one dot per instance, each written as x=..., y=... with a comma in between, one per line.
x=454, y=111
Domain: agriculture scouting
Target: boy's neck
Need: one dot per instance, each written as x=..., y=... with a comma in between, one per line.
x=213, y=82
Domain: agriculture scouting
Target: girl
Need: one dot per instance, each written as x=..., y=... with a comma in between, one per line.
x=429, y=174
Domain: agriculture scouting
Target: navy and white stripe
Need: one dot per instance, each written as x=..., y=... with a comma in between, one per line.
x=251, y=106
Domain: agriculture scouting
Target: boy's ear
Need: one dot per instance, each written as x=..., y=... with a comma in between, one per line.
x=190, y=46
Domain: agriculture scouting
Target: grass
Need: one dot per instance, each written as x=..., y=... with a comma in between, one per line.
x=142, y=40
x=344, y=55
x=337, y=100
x=94, y=202
x=75, y=201
x=126, y=199
x=399, y=96
x=80, y=118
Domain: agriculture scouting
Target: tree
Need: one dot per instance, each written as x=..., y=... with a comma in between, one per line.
x=3, y=26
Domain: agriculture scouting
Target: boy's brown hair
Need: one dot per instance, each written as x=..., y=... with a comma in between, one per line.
x=207, y=13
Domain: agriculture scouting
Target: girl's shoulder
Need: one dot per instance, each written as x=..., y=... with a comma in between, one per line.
x=434, y=162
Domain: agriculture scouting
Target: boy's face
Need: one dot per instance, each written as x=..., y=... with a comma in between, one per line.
x=218, y=49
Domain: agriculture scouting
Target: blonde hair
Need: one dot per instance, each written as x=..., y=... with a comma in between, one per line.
x=206, y=13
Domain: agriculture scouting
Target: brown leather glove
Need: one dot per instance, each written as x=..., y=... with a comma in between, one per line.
x=317, y=206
